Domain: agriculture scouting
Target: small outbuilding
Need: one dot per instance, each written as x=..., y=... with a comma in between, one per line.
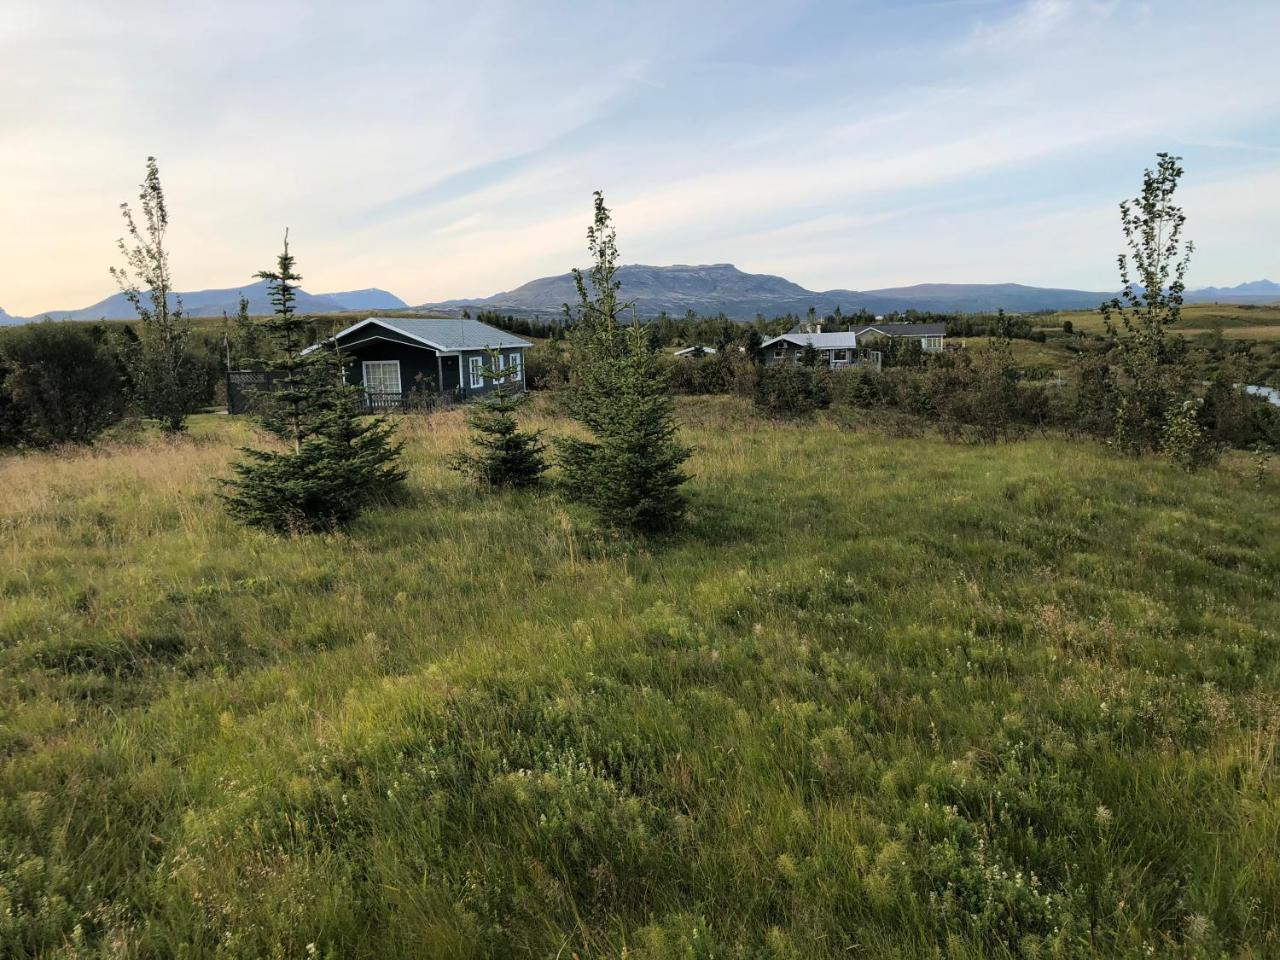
x=695, y=351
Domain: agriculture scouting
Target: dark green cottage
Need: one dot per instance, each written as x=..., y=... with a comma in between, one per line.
x=395, y=357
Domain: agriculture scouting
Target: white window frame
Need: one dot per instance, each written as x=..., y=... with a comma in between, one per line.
x=517, y=366
x=842, y=358
x=382, y=364
x=475, y=372
x=500, y=364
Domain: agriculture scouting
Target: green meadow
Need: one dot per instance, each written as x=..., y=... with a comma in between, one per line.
x=886, y=696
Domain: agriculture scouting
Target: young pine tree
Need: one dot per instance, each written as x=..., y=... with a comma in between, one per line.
x=337, y=461
x=158, y=364
x=503, y=455
x=1153, y=380
x=629, y=470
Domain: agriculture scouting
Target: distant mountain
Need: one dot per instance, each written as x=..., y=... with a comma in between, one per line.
x=369, y=299
x=723, y=288
x=1254, y=291
x=213, y=303
x=6, y=320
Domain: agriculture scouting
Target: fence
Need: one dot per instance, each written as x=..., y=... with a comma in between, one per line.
x=246, y=390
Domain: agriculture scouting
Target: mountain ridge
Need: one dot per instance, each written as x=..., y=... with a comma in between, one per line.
x=723, y=288
x=216, y=301
x=704, y=288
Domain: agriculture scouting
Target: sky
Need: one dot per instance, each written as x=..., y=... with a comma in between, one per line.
x=444, y=150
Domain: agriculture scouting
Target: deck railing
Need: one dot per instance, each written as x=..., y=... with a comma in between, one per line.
x=384, y=401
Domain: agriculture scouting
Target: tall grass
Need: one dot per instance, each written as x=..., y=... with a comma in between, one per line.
x=885, y=698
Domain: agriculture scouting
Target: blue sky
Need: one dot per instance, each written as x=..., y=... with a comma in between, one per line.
x=444, y=150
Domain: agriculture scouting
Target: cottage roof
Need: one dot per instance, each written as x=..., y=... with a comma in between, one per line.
x=448, y=335
x=844, y=340
x=906, y=329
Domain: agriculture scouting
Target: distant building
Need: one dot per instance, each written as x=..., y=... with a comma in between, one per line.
x=853, y=346
x=694, y=351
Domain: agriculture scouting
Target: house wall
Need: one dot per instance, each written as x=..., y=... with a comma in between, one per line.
x=791, y=351
x=417, y=361
x=486, y=385
x=418, y=367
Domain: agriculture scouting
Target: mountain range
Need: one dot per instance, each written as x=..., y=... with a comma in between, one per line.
x=707, y=289
x=213, y=303
x=723, y=288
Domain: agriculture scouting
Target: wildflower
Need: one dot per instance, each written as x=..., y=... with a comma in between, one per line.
x=1103, y=816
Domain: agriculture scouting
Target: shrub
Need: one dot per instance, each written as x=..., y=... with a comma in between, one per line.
x=792, y=390
x=62, y=384
x=861, y=387
x=1184, y=440
x=503, y=455
x=710, y=373
x=547, y=366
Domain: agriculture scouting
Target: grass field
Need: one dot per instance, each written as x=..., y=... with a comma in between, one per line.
x=885, y=698
x=1240, y=321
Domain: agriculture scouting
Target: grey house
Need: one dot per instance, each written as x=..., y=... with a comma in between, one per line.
x=859, y=345
x=393, y=357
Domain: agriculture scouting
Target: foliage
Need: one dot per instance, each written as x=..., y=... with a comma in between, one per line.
x=502, y=454
x=629, y=470
x=792, y=390
x=1016, y=701
x=337, y=461
x=60, y=385
x=547, y=366
x=160, y=373
x=1153, y=377
x=1185, y=441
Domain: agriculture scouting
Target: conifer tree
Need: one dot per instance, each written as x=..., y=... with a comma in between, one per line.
x=159, y=369
x=629, y=470
x=338, y=461
x=503, y=455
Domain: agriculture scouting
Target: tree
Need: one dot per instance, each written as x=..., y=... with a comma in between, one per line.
x=61, y=384
x=159, y=369
x=503, y=454
x=338, y=462
x=629, y=471
x=1153, y=382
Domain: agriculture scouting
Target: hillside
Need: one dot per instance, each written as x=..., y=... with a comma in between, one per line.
x=214, y=303
x=723, y=288
x=885, y=698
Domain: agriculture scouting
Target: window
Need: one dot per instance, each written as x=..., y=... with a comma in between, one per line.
x=932, y=344
x=517, y=367
x=839, y=356
x=382, y=376
x=476, y=366
x=779, y=352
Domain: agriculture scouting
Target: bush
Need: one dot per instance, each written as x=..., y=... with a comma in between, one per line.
x=792, y=390
x=547, y=366
x=502, y=454
x=710, y=373
x=1184, y=440
x=62, y=385
x=862, y=387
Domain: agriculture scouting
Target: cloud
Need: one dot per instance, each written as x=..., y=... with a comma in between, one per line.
x=443, y=151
